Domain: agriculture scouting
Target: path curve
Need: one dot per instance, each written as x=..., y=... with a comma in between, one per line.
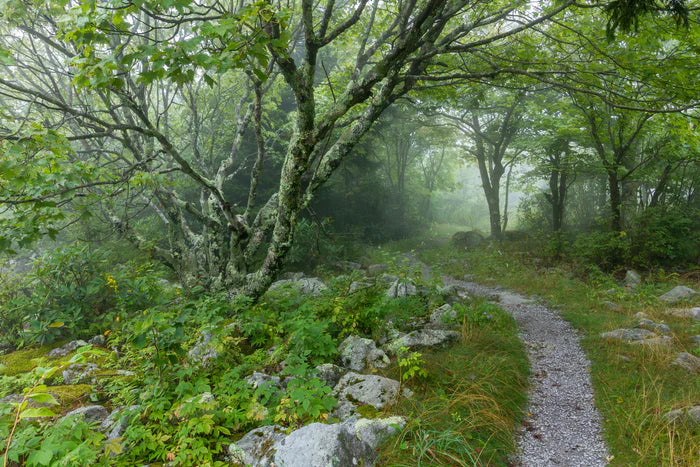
x=562, y=426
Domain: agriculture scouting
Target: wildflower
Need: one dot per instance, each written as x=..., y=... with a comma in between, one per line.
x=112, y=283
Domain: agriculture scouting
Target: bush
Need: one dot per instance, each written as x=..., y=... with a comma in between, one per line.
x=71, y=291
x=665, y=235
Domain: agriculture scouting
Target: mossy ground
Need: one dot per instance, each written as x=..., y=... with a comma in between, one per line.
x=22, y=361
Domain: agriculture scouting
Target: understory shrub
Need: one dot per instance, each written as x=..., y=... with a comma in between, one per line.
x=71, y=291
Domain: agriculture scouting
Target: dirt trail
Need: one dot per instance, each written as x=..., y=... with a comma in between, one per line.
x=562, y=426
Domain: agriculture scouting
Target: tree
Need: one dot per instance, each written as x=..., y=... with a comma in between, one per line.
x=105, y=82
x=491, y=125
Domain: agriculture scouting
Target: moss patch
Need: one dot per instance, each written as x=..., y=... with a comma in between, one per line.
x=70, y=395
x=22, y=361
x=368, y=411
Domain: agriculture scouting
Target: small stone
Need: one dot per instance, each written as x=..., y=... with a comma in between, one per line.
x=689, y=414
x=387, y=278
x=689, y=362
x=118, y=421
x=357, y=353
x=628, y=334
x=330, y=374
x=677, y=294
x=649, y=325
x=443, y=317
x=663, y=340
x=355, y=286
x=355, y=389
x=469, y=277
x=98, y=341
x=401, y=289
x=435, y=338
x=611, y=305
x=693, y=313
x=203, y=351
x=632, y=279
x=79, y=373
x=640, y=315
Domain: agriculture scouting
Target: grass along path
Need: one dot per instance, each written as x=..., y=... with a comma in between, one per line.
x=634, y=386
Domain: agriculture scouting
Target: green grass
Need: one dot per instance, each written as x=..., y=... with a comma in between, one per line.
x=633, y=386
x=465, y=411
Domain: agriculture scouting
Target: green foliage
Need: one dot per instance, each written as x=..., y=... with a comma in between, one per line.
x=313, y=244
x=411, y=365
x=306, y=398
x=308, y=337
x=63, y=443
x=665, y=235
x=70, y=292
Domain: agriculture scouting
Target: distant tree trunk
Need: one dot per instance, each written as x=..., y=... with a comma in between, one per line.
x=505, y=204
x=615, y=201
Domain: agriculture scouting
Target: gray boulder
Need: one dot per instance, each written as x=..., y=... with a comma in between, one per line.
x=330, y=374
x=468, y=239
x=118, y=420
x=649, y=325
x=355, y=389
x=689, y=362
x=90, y=413
x=636, y=334
x=67, y=348
x=308, y=286
x=80, y=373
x=401, y=288
x=203, y=351
x=434, y=338
x=291, y=276
x=258, y=380
x=443, y=317
x=632, y=279
x=377, y=268
x=387, y=278
x=654, y=341
x=98, y=340
x=256, y=447
x=689, y=415
x=355, y=286
x=693, y=313
x=357, y=353
x=677, y=294
x=353, y=442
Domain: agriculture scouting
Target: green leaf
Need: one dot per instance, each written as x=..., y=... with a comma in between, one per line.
x=43, y=398
x=36, y=413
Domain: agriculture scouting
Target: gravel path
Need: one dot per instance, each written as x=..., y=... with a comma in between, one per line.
x=562, y=427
